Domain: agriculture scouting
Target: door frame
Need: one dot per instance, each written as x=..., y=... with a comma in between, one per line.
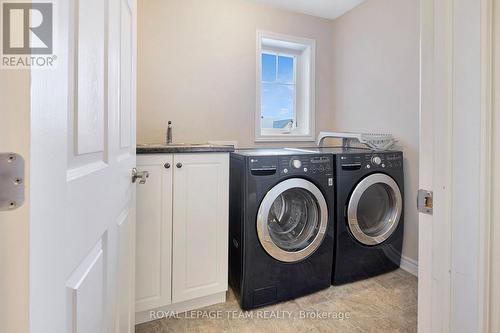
x=456, y=111
x=14, y=225
x=494, y=255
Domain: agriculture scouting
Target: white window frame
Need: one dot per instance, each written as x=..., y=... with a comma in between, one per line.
x=304, y=51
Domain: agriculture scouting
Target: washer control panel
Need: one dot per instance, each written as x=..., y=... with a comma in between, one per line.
x=306, y=164
x=382, y=160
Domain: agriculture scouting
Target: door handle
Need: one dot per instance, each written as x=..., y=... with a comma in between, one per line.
x=141, y=175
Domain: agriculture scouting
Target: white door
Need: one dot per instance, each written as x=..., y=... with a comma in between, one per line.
x=82, y=224
x=200, y=225
x=455, y=143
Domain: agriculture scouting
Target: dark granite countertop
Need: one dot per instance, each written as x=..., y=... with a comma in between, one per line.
x=161, y=148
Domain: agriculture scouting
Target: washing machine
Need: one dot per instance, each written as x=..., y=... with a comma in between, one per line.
x=281, y=225
x=369, y=214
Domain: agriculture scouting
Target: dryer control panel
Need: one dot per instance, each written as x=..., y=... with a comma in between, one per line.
x=285, y=165
x=383, y=160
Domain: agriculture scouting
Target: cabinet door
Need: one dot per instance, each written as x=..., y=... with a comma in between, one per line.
x=200, y=229
x=154, y=233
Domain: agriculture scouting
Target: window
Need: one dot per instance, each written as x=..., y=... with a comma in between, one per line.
x=285, y=88
x=278, y=91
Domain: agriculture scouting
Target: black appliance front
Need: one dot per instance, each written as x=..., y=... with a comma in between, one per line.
x=281, y=234
x=370, y=219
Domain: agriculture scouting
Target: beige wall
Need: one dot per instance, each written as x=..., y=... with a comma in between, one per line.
x=376, y=84
x=196, y=67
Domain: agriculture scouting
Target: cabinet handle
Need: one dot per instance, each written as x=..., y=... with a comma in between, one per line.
x=167, y=165
x=179, y=165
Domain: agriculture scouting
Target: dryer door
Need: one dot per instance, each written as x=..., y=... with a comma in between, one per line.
x=374, y=209
x=292, y=220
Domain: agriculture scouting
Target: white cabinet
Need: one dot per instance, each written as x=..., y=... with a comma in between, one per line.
x=182, y=229
x=154, y=234
x=200, y=225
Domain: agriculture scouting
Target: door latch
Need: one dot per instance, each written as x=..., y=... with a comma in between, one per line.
x=11, y=181
x=141, y=175
x=425, y=202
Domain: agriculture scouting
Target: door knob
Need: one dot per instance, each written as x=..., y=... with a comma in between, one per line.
x=179, y=165
x=167, y=165
x=141, y=175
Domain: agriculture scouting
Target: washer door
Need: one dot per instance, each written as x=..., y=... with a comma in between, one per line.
x=292, y=220
x=374, y=209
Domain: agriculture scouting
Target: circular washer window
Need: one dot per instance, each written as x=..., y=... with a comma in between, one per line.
x=374, y=209
x=292, y=220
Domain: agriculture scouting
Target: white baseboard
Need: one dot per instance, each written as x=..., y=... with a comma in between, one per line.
x=405, y=263
x=409, y=265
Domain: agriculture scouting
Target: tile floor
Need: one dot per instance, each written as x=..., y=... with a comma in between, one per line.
x=387, y=303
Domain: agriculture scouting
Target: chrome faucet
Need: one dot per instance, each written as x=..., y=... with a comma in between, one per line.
x=169, y=132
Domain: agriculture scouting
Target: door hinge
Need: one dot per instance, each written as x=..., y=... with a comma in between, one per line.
x=11, y=181
x=425, y=201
